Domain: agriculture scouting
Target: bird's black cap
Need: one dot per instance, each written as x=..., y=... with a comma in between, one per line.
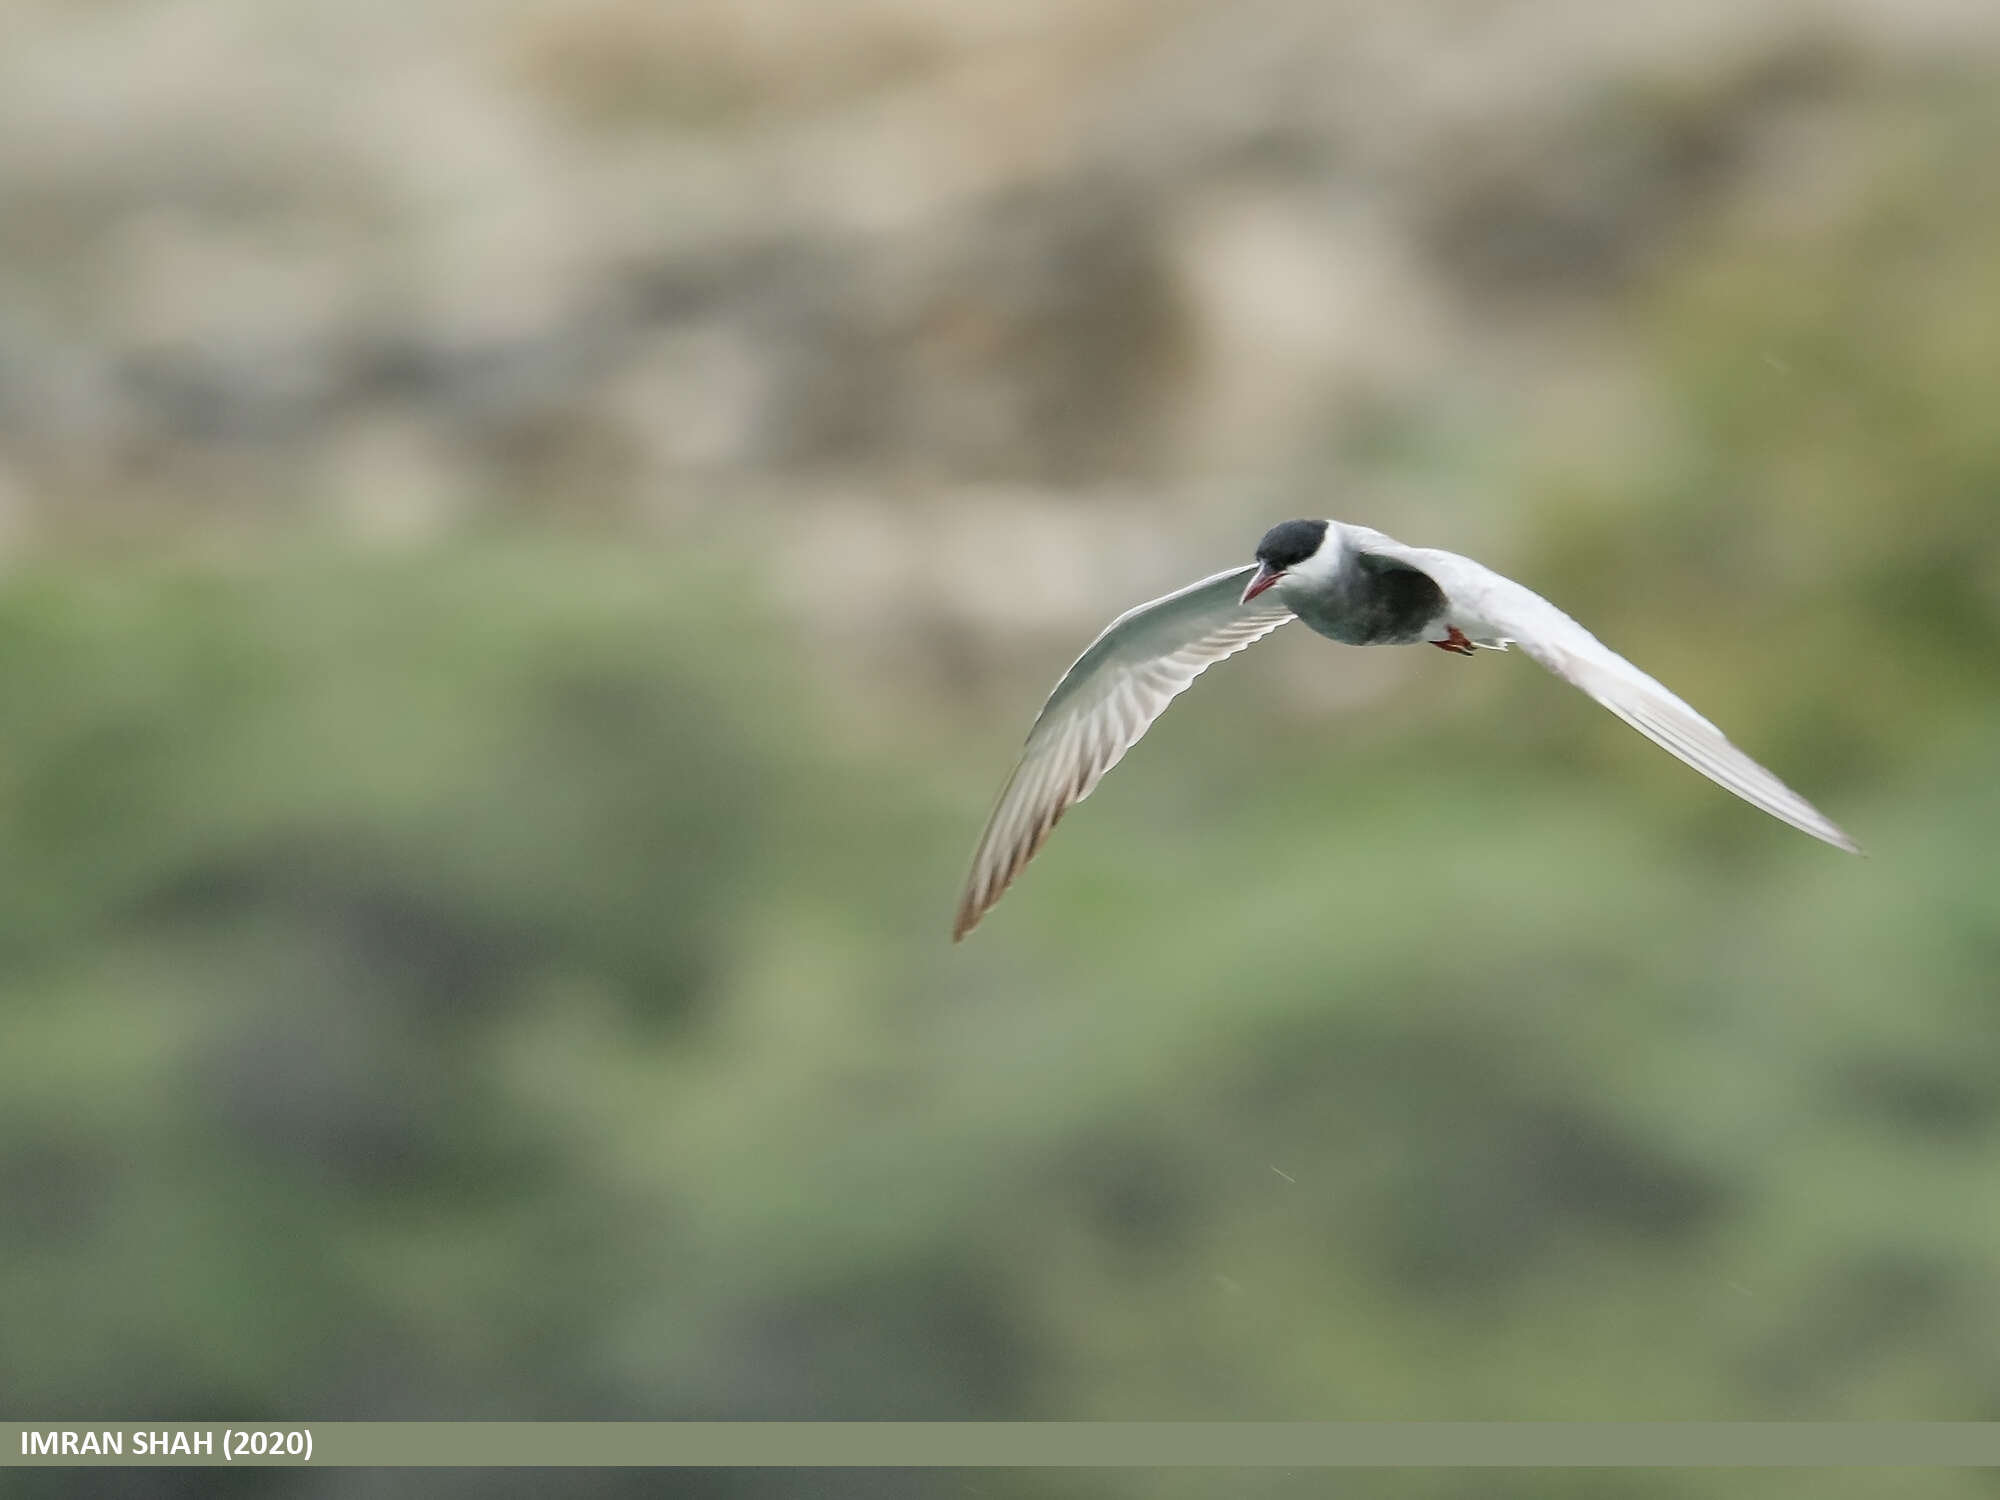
x=1290, y=543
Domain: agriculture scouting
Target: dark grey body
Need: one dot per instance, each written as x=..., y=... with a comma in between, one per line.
x=1373, y=601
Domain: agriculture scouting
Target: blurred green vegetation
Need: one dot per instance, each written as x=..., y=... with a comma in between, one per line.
x=500, y=980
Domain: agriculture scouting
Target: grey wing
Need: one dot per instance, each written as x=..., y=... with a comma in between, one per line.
x=1495, y=610
x=1144, y=660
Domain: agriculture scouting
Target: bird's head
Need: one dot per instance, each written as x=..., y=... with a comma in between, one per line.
x=1301, y=547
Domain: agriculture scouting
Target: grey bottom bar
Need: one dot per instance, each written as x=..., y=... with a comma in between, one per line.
x=1007, y=1444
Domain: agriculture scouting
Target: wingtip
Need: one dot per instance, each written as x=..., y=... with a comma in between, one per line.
x=969, y=913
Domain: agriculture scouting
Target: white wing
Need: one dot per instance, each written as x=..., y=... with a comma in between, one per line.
x=1494, y=610
x=1144, y=660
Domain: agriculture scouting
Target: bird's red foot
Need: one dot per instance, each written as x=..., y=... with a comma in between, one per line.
x=1456, y=641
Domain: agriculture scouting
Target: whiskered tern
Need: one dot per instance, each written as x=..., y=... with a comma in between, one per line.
x=1352, y=585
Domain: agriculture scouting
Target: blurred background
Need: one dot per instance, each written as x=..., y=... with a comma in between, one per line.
x=530, y=534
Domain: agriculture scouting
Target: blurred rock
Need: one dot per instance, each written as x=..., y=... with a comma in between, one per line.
x=609, y=255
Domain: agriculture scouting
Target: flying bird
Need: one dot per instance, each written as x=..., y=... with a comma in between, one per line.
x=1352, y=585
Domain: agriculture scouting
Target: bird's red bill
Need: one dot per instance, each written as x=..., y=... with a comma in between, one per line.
x=1266, y=576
